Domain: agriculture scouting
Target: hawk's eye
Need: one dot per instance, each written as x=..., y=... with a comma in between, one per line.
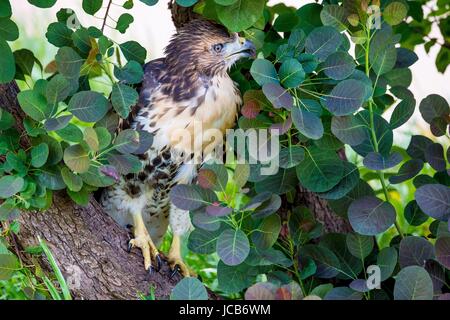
x=218, y=48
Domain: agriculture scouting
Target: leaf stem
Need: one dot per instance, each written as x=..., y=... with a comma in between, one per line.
x=373, y=133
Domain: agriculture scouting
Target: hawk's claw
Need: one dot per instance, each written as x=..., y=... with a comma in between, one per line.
x=158, y=262
x=129, y=247
x=175, y=270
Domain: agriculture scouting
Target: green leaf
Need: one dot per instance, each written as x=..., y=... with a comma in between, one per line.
x=267, y=232
x=383, y=60
x=407, y=171
x=434, y=200
x=88, y=106
x=10, y=185
x=320, y=171
x=8, y=29
x=240, y=15
x=291, y=156
x=327, y=263
x=322, y=42
x=97, y=179
x=415, y=251
x=383, y=133
x=133, y=51
x=387, y=261
x=122, y=98
x=413, y=283
x=203, y=241
x=58, y=89
x=234, y=279
x=34, y=104
x=124, y=22
x=51, y=179
x=131, y=73
x=186, y=197
x=349, y=129
x=264, y=72
x=71, y=133
x=42, y=3
x=153, y=2
x=59, y=34
x=233, y=247
x=55, y=151
x=6, y=120
x=76, y=158
x=402, y=113
x=68, y=62
x=339, y=65
x=5, y=9
x=25, y=61
x=394, y=13
x=125, y=163
x=8, y=265
x=359, y=246
x=82, y=41
x=92, y=6
x=307, y=123
x=346, y=98
x=285, y=22
x=413, y=214
x=91, y=139
x=39, y=155
x=370, y=216
x=280, y=183
x=443, y=251
x=7, y=64
x=278, y=96
x=376, y=161
x=291, y=73
x=189, y=289
x=333, y=15
x=434, y=106
x=127, y=141
x=72, y=181
x=348, y=182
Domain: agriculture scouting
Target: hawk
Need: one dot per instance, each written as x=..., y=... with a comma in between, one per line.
x=189, y=85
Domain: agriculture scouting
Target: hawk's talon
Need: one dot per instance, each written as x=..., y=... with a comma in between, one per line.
x=158, y=262
x=130, y=246
x=175, y=270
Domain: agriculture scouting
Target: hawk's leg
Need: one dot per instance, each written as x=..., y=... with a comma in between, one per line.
x=180, y=224
x=143, y=241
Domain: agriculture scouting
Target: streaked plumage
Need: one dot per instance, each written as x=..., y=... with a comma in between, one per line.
x=190, y=84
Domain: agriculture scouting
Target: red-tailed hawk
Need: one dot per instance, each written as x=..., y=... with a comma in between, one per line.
x=190, y=85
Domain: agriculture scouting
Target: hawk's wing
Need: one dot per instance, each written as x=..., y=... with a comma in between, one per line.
x=150, y=82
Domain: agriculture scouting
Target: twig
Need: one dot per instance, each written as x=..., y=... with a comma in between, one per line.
x=106, y=15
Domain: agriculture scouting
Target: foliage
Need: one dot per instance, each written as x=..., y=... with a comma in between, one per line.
x=308, y=82
x=426, y=16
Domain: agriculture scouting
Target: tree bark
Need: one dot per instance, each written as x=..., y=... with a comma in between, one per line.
x=90, y=248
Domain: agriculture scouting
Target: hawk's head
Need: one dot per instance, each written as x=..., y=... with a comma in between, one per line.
x=208, y=47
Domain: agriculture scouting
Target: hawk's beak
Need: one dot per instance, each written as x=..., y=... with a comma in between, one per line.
x=249, y=49
x=241, y=48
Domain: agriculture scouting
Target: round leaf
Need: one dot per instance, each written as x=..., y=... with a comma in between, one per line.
x=371, y=216
x=320, y=171
x=189, y=289
x=413, y=283
x=233, y=247
x=88, y=106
